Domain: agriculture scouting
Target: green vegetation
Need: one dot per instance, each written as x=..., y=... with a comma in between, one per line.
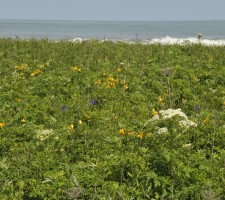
x=77, y=121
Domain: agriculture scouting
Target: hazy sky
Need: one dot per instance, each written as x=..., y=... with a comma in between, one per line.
x=113, y=9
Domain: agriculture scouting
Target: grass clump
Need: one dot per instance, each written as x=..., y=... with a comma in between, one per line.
x=85, y=120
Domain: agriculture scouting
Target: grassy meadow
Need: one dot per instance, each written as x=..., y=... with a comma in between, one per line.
x=84, y=121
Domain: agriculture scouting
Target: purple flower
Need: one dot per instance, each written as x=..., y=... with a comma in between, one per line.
x=63, y=108
x=197, y=108
x=93, y=102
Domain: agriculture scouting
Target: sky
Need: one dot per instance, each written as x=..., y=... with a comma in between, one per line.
x=122, y=10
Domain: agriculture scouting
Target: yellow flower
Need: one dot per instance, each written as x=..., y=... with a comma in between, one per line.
x=70, y=127
x=76, y=69
x=80, y=122
x=23, y=120
x=111, y=79
x=36, y=72
x=110, y=82
x=122, y=131
x=125, y=86
x=160, y=99
x=2, y=124
x=19, y=68
x=223, y=103
x=42, y=66
x=119, y=69
x=18, y=100
x=154, y=112
x=140, y=135
x=98, y=82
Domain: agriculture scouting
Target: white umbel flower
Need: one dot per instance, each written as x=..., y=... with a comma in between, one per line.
x=162, y=130
x=44, y=134
x=169, y=113
x=184, y=122
x=187, y=123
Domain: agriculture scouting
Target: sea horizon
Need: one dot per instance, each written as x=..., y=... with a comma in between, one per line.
x=162, y=31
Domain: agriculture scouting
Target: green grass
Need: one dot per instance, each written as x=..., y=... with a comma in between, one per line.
x=73, y=121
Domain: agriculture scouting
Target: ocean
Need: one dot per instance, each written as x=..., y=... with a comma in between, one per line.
x=166, y=32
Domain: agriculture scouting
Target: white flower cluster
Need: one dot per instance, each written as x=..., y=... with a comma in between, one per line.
x=187, y=123
x=169, y=113
x=44, y=134
x=162, y=130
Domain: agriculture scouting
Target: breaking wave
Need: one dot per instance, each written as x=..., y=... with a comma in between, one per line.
x=164, y=40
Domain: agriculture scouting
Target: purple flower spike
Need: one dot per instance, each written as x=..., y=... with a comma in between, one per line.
x=93, y=102
x=197, y=108
x=63, y=108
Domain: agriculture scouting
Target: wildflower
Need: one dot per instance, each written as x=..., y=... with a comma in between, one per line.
x=42, y=66
x=36, y=72
x=187, y=123
x=44, y=134
x=119, y=69
x=169, y=113
x=80, y=122
x=19, y=68
x=187, y=145
x=70, y=127
x=122, y=131
x=154, y=112
x=23, y=120
x=154, y=118
x=93, y=102
x=223, y=103
x=160, y=99
x=125, y=86
x=162, y=130
x=197, y=108
x=98, y=82
x=76, y=69
x=110, y=82
x=140, y=135
x=2, y=124
x=18, y=100
x=63, y=108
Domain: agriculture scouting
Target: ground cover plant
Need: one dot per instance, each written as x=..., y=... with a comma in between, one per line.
x=104, y=120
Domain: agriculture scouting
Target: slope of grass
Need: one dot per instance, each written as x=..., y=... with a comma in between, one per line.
x=74, y=120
